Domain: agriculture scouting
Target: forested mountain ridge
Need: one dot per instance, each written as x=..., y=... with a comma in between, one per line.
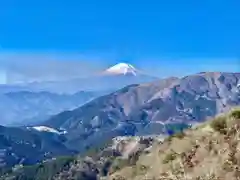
x=145, y=109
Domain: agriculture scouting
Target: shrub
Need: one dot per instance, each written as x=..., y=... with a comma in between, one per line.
x=235, y=114
x=219, y=124
x=179, y=135
x=169, y=157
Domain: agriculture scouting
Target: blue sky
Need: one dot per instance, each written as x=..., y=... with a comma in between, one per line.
x=157, y=35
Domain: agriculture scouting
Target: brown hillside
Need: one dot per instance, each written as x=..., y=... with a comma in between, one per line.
x=208, y=152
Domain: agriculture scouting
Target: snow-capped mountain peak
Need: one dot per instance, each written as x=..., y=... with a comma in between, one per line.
x=122, y=68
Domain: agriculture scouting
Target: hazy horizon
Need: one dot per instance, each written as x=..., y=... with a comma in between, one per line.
x=24, y=69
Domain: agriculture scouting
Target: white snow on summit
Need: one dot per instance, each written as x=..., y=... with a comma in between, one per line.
x=122, y=68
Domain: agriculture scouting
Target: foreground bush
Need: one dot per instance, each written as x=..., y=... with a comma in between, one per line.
x=219, y=124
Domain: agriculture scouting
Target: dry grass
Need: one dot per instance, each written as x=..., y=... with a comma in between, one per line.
x=209, y=152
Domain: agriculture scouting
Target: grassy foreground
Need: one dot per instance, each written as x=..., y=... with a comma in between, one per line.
x=210, y=151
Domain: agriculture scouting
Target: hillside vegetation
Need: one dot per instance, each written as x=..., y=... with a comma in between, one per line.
x=208, y=152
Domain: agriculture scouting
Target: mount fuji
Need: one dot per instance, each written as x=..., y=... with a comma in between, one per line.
x=122, y=68
x=114, y=77
x=111, y=79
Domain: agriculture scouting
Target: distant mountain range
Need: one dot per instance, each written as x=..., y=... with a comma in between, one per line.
x=113, y=78
x=139, y=109
x=25, y=107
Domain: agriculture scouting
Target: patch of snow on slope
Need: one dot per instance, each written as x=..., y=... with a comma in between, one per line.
x=47, y=129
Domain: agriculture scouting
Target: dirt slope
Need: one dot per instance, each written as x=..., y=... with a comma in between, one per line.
x=208, y=152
